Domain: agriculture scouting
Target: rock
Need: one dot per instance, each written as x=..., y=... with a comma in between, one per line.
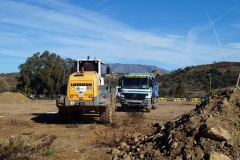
x=218, y=156
x=141, y=156
x=173, y=145
x=199, y=155
x=222, y=144
x=123, y=144
x=127, y=158
x=135, y=135
x=217, y=133
x=178, y=158
x=127, y=148
x=115, y=151
x=188, y=156
x=115, y=157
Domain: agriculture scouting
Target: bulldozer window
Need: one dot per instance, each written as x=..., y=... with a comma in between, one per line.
x=89, y=66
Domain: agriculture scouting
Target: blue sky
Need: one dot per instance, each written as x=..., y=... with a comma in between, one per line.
x=170, y=34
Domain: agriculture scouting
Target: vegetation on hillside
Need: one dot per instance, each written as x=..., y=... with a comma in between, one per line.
x=204, y=78
x=8, y=82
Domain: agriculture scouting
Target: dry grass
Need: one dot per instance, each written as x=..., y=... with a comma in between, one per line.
x=27, y=146
x=113, y=140
x=107, y=140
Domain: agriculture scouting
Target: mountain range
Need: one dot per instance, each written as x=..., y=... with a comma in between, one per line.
x=138, y=68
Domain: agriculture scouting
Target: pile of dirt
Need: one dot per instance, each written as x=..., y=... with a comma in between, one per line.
x=210, y=131
x=10, y=97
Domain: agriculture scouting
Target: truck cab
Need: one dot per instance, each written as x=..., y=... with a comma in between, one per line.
x=139, y=91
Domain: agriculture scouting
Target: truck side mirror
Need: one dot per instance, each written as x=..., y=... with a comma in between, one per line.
x=120, y=82
x=151, y=82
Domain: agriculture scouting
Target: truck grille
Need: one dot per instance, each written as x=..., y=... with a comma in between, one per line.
x=134, y=96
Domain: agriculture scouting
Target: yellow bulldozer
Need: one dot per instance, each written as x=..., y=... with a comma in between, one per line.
x=86, y=92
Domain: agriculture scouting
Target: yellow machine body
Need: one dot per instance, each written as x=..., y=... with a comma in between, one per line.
x=83, y=86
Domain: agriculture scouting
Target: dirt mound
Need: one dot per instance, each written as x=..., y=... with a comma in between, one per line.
x=210, y=131
x=10, y=97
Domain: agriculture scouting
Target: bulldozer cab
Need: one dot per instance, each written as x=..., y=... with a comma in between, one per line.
x=84, y=65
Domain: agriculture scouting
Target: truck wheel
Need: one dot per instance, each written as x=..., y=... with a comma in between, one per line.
x=154, y=105
x=149, y=109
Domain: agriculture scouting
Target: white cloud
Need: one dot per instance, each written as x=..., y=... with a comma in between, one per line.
x=233, y=45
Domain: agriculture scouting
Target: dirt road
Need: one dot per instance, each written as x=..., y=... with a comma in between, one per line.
x=46, y=138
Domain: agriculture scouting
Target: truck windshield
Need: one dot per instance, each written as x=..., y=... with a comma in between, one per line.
x=89, y=66
x=135, y=82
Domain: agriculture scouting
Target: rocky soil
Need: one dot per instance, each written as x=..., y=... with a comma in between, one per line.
x=175, y=131
x=209, y=132
x=37, y=122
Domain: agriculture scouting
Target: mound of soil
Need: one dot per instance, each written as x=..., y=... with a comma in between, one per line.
x=10, y=97
x=210, y=131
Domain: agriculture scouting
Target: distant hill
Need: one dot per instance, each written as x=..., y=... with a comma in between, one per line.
x=8, y=81
x=126, y=68
x=197, y=78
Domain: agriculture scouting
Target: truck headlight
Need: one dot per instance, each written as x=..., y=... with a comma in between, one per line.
x=148, y=95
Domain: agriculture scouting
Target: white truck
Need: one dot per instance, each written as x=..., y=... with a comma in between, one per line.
x=139, y=91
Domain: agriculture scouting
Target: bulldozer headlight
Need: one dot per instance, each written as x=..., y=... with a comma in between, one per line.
x=90, y=96
x=71, y=96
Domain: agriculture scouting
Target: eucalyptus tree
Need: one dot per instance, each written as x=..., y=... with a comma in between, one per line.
x=41, y=74
x=68, y=67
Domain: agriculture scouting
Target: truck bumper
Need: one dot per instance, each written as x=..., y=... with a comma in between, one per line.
x=146, y=103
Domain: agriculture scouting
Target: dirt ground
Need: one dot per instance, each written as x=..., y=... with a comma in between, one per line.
x=88, y=140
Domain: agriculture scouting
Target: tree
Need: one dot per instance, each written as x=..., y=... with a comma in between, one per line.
x=181, y=89
x=41, y=74
x=67, y=66
x=162, y=93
